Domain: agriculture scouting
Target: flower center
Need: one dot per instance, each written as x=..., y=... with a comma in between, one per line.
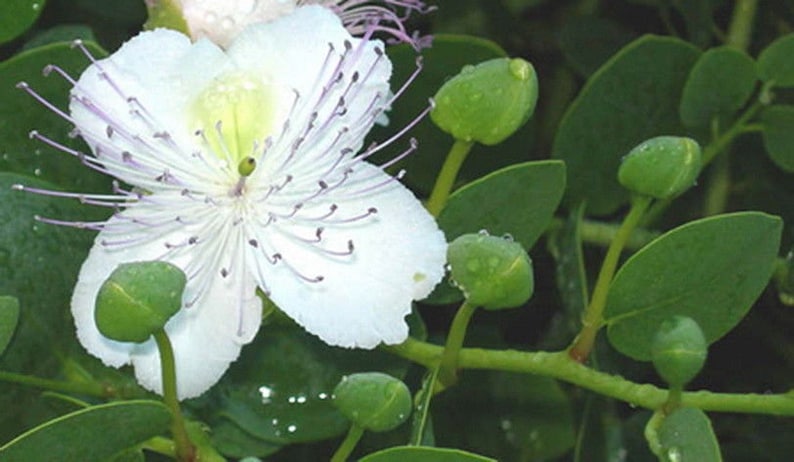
x=236, y=113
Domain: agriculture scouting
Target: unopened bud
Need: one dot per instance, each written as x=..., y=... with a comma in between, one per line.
x=661, y=167
x=373, y=400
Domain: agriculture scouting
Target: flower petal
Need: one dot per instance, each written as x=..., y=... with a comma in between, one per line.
x=220, y=312
x=398, y=256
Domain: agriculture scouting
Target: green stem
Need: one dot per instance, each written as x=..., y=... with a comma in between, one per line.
x=594, y=313
x=348, y=444
x=82, y=388
x=719, y=187
x=184, y=448
x=559, y=365
x=447, y=176
x=160, y=445
x=740, y=30
x=448, y=368
x=602, y=234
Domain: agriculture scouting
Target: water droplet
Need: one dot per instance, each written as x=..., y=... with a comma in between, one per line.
x=323, y=396
x=674, y=454
x=246, y=7
x=508, y=237
x=483, y=232
x=292, y=428
x=37, y=172
x=467, y=69
x=5, y=156
x=227, y=23
x=210, y=17
x=36, y=6
x=301, y=399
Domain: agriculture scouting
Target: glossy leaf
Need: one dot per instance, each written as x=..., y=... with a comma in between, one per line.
x=62, y=33
x=424, y=454
x=38, y=265
x=279, y=390
x=632, y=97
x=16, y=16
x=775, y=63
x=711, y=270
x=686, y=435
x=9, y=316
x=20, y=114
x=719, y=84
x=777, y=122
x=75, y=437
x=519, y=200
x=505, y=416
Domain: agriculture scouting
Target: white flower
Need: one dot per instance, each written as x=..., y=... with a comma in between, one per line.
x=222, y=20
x=247, y=171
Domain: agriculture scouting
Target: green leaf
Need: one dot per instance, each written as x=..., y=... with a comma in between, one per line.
x=711, y=270
x=686, y=436
x=775, y=63
x=633, y=97
x=60, y=33
x=16, y=16
x=20, y=114
x=534, y=189
x=9, y=316
x=777, y=122
x=38, y=265
x=424, y=454
x=506, y=416
x=719, y=84
x=519, y=200
x=83, y=436
x=443, y=60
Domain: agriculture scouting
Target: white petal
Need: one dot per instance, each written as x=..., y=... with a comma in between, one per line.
x=222, y=20
x=399, y=255
x=206, y=336
x=145, y=88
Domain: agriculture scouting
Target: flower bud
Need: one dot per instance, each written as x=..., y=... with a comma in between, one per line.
x=373, y=400
x=167, y=14
x=493, y=272
x=138, y=299
x=784, y=277
x=679, y=350
x=488, y=102
x=661, y=167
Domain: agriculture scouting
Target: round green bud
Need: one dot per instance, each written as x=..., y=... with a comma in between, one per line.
x=661, y=167
x=492, y=272
x=166, y=13
x=678, y=350
x=138, y=299
x=488, y=102
x=373, y=400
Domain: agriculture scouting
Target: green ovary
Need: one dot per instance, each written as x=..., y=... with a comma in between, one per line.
x=245, y=108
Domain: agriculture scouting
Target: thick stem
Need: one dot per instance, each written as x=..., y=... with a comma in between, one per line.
x=740, y=30
x=448, y=369
x=348, y=444
x=560, y=366
x=447, y=176
x=184, y=448
x=594, y=314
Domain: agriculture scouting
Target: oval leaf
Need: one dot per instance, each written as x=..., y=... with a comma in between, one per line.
x=631, y=98
x=424, y=454
x=16, y=16
x=9, y=315
x=686, y=435
x=777, y=122
x=719, y=84
x=775, y=63
x=519, y=200
x=711, y=270
x=83, y=436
